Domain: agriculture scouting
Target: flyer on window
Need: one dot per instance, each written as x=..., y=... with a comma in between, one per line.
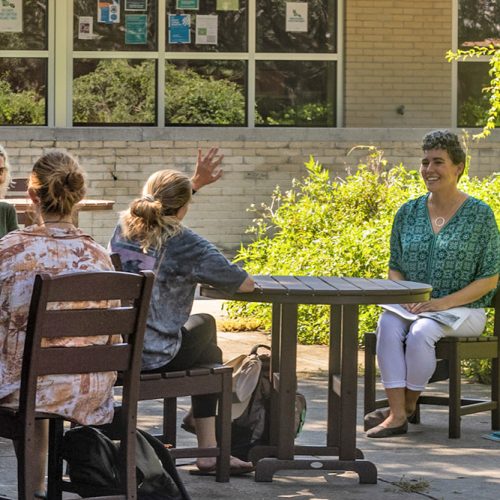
x=11, y=16
x=136, y=29
x=228, y=5
x=132, y=5
x=296, y=16
x=188, y=4
x=108, y=11
x=85, y=28
x=206, y=30
x=179, y=28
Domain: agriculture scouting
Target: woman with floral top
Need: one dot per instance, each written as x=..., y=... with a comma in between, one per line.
x=8, y=217
x=450, y=240
x=55, y=246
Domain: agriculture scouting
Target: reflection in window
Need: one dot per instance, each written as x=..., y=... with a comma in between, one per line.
x=114, y=91
x=135, y=30
x=274, y=35
x=31, y=33
x=205, y=93
x=478, y=22
x=23, y=91
x=473, y=104
x=295, y=93
x=231, y=27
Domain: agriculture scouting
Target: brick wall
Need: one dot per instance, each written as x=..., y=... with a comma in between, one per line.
x=255, y=162
x=394, y=56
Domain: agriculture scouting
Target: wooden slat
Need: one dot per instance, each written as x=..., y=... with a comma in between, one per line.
x=414, y=286
x=319, y=286
x=389, y=284
x=268, y=283
x=293, y=284
x=343, y=285
x=88, y=322
x=85, y=359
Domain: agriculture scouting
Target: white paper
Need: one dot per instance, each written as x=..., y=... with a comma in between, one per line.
x=206, y=30
x=296, y=16
x=85, y=28
x=11, y=16
x=453, y=317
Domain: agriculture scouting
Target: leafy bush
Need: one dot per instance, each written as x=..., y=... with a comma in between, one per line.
x=24, y=107
x=325, y=226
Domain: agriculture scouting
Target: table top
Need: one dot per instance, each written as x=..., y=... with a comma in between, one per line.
x=327, y=290
x=87, y=204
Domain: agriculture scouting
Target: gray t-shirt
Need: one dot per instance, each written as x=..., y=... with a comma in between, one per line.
x=183, y=261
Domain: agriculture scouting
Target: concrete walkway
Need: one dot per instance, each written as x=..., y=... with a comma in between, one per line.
x=421, y=464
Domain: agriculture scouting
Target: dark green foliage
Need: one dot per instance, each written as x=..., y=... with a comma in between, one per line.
x=24, y=107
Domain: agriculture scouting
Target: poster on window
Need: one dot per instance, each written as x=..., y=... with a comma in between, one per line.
x=85, y=28
x=179, y=28
x=11, y=16
x=296, y=16
x=131, y=5
x=136, y=29
x=206, y=30
x=228, y=4
x=188, y=4
x=108, y=11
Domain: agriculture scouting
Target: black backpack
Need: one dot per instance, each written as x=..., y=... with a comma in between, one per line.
x=92, y=459
x=251, y=428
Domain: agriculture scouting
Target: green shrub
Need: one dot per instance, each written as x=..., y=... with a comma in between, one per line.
x=325, y=226
x=24, y=107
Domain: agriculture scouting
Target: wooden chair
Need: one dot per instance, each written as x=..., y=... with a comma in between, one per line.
x=450, y=351
x=169, y=386
x=18, y=188
x=50, y=324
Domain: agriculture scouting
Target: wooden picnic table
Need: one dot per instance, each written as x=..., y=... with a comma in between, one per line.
x=344, y=295
x=24, y=207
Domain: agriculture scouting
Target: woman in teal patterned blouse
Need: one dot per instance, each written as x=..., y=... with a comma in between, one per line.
x=450, y=240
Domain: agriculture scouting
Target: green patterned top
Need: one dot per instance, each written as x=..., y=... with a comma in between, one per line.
x=466, y=249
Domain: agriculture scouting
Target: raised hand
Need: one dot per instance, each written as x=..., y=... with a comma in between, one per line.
x=207, y=169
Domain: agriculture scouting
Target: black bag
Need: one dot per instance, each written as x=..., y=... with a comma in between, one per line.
x=92, y=459
x=252, y=427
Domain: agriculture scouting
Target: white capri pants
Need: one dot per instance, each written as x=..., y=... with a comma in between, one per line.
x=406, y=349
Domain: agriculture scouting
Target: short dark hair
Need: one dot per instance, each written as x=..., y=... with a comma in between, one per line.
x=444, y=139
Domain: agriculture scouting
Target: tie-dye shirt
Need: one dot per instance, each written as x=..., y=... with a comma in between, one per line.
x=179, y=265
x=86, y=398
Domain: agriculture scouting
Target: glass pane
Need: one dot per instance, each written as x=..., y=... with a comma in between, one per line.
x=478, y=22
x=26, y=30
x=95, y=28
x=472, y=102
x=283, y=27
x=295, y=93
x=224, y=31
x=114, y=91
x=205, y=93
x=23, y=91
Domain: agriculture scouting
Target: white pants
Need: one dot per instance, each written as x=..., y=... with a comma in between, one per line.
x=406, y=349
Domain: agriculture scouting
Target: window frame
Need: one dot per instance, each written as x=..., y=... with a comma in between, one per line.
x=61, y=56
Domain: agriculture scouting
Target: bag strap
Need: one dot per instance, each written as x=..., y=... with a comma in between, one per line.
x=256, y=347
x=167, y=462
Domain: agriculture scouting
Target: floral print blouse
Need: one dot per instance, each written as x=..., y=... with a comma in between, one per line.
x=86, y=398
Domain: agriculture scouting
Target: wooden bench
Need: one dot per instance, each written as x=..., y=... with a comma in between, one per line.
x=450, y=351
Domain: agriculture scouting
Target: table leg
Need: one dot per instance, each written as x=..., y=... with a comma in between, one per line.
x=349, y=387
x=334, y=368
x=274, y=423
x=287, y=381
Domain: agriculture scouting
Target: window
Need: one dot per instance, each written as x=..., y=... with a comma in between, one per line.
x=478, y=25
x=170, y=63
x=23, y=63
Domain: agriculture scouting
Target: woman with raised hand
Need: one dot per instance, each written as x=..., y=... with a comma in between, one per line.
x=450, y=240
x=55, y=246
x=150, y=235
x=8, y=217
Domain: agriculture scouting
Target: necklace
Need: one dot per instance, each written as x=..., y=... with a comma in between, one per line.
x=440, y=221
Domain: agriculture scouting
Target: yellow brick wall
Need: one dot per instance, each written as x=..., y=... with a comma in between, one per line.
x=394, y=56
